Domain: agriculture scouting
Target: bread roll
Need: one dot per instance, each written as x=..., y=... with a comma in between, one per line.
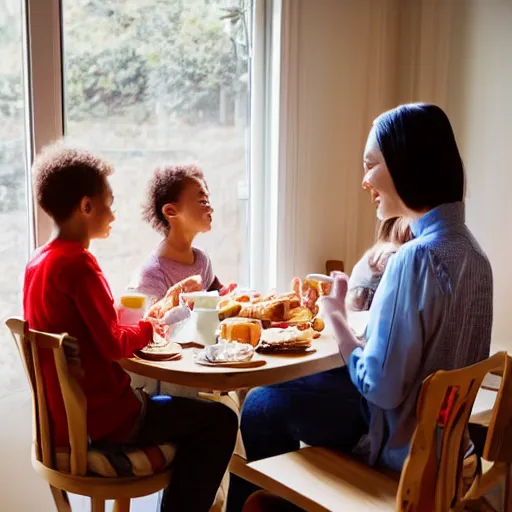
x=229, y=310
x=318, y=324
x=274, y=310
x=300, y=314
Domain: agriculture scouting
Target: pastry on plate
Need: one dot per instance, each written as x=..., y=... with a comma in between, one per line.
x=274, y=310
x=290, y=339
x=162, y=351
x=242, y=330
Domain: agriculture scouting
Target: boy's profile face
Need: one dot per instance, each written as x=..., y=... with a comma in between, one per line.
x=193, y=208
x=98, y=213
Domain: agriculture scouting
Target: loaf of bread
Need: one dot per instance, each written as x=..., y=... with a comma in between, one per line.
x=241, y=330
x=231, y=309
x=300, y=314
x=274, y=310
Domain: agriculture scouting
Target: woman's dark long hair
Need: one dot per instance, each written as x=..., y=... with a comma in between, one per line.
x=419, y=147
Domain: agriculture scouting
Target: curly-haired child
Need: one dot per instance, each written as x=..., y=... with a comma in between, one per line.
x=177, y=206
x=66, y=291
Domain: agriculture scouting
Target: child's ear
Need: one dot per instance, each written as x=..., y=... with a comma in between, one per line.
x=86, y=205
x=169, y=210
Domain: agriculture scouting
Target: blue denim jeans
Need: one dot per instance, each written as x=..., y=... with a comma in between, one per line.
x=324, y=409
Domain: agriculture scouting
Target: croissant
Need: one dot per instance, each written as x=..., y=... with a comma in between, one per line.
x=188, y=285
x=172, y=297
x=273, y=310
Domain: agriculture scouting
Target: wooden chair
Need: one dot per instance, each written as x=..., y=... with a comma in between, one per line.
x=331, y=265
x=67, y=363
x=319, y=479
x=432, y=474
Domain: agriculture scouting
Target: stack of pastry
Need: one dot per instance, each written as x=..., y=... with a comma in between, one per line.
x=290, y=339
x=241, y=330
x=284, y=321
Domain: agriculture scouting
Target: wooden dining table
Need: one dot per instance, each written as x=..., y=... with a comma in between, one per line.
x=278, y=367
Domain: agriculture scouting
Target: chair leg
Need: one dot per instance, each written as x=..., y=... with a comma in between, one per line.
x=61, y=499
x=122, y=505
x=97, y=505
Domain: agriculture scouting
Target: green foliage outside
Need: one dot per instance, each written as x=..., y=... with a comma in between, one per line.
x=186, y=60
x=150, y=54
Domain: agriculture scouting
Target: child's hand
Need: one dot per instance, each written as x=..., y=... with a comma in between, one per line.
x=159, y=327
x=226, y=290
x=378, y=256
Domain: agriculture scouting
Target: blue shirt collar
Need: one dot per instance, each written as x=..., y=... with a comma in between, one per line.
x=441, y=217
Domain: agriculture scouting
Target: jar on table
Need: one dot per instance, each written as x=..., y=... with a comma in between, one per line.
x=131, y=308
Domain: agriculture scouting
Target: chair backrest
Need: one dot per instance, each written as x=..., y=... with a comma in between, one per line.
x=331, y=265
x=498, y=443
x=431, y=479
x=67, y=364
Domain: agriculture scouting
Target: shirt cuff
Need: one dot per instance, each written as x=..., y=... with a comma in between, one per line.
x=146, y=329
x=351, y=362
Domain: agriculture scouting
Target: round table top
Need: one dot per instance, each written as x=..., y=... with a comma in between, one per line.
x=278, y=367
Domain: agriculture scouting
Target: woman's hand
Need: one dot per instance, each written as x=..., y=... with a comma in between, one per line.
x=335, y=301
x=335, y=313
x=310, y=290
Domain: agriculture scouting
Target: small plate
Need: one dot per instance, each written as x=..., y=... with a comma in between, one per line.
x=164, y=352
x=296, y=351
x=253, y=363
x=157, y=357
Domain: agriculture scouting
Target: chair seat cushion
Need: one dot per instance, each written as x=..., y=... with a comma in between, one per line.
x=112, y=460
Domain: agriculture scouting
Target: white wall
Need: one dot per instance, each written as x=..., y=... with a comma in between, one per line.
x=357, y=59
x=480, y=104
x=342, y=78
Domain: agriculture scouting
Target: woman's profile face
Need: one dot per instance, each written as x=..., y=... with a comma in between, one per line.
x=377, y=180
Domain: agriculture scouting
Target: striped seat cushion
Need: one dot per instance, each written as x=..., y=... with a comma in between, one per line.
x=121, y=461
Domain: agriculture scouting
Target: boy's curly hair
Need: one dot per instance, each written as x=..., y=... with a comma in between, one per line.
x=63, y=176
x=166, y=187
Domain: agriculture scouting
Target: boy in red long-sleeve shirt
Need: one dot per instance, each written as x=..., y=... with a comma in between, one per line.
x=66, y=291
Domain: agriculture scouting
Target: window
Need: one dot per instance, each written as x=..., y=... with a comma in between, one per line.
x=169, y=83
x=13, y=205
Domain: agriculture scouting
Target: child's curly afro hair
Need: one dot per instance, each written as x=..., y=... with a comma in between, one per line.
x=166, y=187
x=63, y=176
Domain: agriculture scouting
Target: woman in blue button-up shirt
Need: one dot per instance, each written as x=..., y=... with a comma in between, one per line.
x=432, y=309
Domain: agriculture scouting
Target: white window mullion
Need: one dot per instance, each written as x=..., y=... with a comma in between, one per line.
x=43, y=68
x=258, y=148
x=273, y=176
x=286, y=149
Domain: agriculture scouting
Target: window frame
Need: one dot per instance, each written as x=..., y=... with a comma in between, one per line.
x=44, y=77
x=44, y=86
